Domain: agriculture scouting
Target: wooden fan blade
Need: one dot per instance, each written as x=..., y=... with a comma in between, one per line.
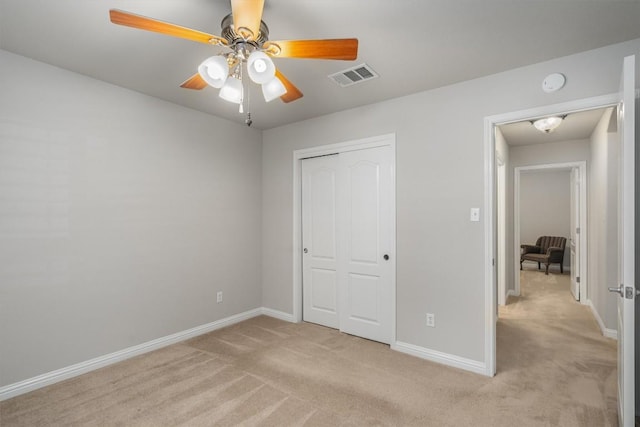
x=293, y=92
x=247, y=15
x=194, y=82
x=127, y=19
x=346, y=49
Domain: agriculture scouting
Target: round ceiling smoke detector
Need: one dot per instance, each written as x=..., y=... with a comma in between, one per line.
x=553, y=82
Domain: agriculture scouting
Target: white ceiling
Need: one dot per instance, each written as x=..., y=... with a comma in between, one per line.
x=575, y=126
x=414, y=45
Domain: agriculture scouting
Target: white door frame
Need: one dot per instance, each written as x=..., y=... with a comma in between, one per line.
x=490, y=122
x=298, y=155
x=501, y=217
x=627, y=304
x=582, y=170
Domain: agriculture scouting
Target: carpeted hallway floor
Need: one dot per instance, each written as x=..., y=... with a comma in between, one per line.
x=554, y=369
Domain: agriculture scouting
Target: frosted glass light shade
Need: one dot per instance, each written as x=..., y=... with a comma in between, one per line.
x=273, y=89
x=260, y=67
x=548, y=124
x=214, y=71
x=232, y=90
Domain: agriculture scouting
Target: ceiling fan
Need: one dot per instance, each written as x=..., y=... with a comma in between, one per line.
x=245, y=41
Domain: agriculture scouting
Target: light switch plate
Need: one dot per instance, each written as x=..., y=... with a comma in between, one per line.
x=475, y=214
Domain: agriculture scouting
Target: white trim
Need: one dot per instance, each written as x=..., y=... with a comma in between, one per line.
x=490, y=122
x=58, y=375
x=278, y=314
x=511, y=292
x=439, y=357
x=610, y=100
x=490, y=288
x=500, y=234
x=341, y=147
x=582, y=169
x=627, y=238
x=298, y=155
x=609, y=333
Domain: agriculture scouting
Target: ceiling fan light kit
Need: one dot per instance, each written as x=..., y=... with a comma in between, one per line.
x=273, y=89
x=214, y=71
x=260, y=67
x=247, y=37
x=232, y=90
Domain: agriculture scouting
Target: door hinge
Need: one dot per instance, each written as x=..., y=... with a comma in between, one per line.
x=577, y=230
x=577, y=279
x=493, y=262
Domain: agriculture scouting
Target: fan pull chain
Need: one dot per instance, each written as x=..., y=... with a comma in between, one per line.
x=248, y=120
x=241, y=108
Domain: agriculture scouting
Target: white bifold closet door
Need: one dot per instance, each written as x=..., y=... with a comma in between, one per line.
x=347, y=226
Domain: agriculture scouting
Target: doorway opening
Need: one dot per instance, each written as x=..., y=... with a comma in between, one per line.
x=565, y=197
x=494, y=141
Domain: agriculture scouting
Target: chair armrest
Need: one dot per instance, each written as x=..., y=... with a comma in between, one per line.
x=530, y=249
x=555, y=254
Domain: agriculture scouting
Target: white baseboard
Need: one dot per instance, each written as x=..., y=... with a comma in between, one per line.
x=609, y=333
x=52, y=377
x=278, y=314
x=439, y=357
x=62, y=374
x=511, y=292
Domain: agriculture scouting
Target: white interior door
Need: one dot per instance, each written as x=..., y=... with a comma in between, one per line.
x=574, y=239
x=626, y=234
x=366, y=267
x=319, y=237
x=348, y=244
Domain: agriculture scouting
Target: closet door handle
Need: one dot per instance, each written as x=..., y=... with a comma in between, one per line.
x=386, y=257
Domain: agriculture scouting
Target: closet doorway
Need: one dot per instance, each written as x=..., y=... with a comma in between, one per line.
x=347, y=237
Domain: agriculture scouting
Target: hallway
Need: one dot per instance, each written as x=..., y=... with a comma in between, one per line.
x=568, y=359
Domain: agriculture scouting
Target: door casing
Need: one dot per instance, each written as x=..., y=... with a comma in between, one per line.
x=490, y=123
x=582, y=170
x=501, y=241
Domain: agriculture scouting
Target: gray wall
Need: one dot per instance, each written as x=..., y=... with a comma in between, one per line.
x=120, y=217
x=603, y=219
x=502, y=151
x=545, y=207
x=440, y=175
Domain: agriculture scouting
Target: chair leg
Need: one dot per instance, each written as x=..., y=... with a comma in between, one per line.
x=538, y=266
x=561, y=272
x=520, y=264
x=547, y=270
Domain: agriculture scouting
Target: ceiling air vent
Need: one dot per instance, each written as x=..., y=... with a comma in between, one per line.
x=353, y=75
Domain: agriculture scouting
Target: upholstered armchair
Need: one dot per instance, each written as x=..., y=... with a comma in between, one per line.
x=547, y=250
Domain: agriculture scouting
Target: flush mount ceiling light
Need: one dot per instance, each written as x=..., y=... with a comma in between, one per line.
x=548, y=124
x=248, y=51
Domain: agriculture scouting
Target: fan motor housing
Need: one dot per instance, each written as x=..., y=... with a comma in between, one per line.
x=229, y=33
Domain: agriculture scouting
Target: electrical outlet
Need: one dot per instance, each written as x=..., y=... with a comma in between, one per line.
x=431, y=320
x=475, y=214
x=219, y=297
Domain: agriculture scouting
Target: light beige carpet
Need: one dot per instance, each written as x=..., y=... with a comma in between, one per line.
x=554, y=369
